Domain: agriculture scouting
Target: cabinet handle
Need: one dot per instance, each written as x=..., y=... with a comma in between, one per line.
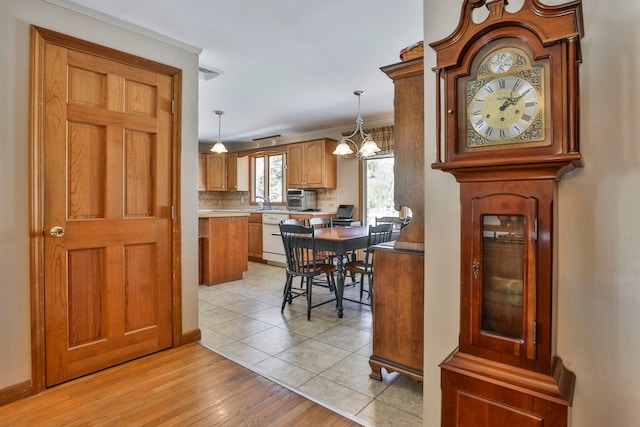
x=476, y=268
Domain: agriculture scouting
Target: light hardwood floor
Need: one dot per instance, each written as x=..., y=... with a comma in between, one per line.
x=189, y=385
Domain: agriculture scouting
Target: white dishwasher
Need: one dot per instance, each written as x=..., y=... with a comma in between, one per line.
x=272, y=248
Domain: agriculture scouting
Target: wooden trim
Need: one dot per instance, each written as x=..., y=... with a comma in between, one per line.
x=556, y=388
x=176, y=243
x=15, y=392
x=190, y=336
x=401, y=70
x=70, y=42
x=39, y=37
x=36, y=221
x=277, y=149
x=378, y=363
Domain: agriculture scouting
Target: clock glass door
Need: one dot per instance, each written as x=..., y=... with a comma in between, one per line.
x=503, y=275
x=503, y=291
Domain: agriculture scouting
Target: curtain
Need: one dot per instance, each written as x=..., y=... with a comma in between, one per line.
x=383, y=136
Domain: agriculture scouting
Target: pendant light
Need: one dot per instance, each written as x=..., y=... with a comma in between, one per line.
x=368, y=147
x=219, y=147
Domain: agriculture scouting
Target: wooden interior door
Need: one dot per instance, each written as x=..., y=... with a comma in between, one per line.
x=107, y=212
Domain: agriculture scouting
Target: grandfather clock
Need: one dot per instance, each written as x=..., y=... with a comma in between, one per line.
x=507, y=96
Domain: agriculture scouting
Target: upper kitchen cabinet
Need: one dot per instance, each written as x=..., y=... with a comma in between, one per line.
x=223, y=172
x=216, y=172
x=232, y=172
x=202, y=172
x=242, y=173
x=310, y=164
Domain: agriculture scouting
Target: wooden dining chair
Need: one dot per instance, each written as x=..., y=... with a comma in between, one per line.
x=364, y=267
x=293, y=221
x=319, y=222
x=396, y=221
x=300, y=251
x=322, y=256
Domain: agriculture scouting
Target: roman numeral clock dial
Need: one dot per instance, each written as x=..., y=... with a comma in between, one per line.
x=504, y=102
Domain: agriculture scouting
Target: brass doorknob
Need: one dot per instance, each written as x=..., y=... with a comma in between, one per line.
x=56, y=231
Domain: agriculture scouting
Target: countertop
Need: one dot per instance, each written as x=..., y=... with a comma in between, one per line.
x=220, y=214
x=206, y=212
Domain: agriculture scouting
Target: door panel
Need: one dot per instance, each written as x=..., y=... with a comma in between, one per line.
x=107, y=181
x=86, y=296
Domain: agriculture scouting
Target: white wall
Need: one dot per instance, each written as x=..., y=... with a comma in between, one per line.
x=16, y=16
x=599, y=232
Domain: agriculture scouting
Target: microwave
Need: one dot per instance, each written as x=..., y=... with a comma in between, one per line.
x=300, y=200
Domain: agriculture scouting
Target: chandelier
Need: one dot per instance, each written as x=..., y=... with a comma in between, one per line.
x=219, y=147
x=368, y=147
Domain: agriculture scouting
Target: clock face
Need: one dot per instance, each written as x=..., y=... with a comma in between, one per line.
x=503, y=108
x=505, y=100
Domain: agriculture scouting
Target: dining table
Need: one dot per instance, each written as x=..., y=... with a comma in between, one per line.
x=341, y=241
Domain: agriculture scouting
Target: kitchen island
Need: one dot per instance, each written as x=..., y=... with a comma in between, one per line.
x=223, y=246
x=264, y=241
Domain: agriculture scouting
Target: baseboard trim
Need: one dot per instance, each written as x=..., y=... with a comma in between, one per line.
x=190, y=336
x=15, y=392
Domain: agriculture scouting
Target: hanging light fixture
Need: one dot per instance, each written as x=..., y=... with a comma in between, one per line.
x=368, y=147
x=219, y=147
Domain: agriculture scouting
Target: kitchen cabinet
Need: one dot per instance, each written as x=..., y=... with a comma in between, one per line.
x=255, y=237
x=216, y=171
x=202, y=172
x=223, y=247
x=311, y=164
x=223, y=172
x=242, y=173
x=232, y=171
x=398, y=312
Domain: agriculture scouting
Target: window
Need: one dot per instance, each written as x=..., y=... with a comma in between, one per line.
x=377, y=188
x=268, y=177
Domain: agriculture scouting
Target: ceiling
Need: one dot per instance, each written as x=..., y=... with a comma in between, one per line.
x=287, y=66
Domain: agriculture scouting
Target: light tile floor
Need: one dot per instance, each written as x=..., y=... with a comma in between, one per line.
x=325, y=359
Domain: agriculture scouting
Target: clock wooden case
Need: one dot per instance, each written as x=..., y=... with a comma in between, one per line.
x=507, y=97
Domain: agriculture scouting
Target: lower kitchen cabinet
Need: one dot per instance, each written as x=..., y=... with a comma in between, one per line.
x=223, y=248
x=255, y=237
x=398, y=312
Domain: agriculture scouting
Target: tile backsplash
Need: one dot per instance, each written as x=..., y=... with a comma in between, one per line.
x=222, y=199
x=326, y=199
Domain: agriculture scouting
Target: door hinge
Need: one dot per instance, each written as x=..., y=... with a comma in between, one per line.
x=173, y=211
x=173, y=106
x=535, y=332
x=535, y=229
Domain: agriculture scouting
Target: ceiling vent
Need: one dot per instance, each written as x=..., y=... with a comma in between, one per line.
x=207, y=73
